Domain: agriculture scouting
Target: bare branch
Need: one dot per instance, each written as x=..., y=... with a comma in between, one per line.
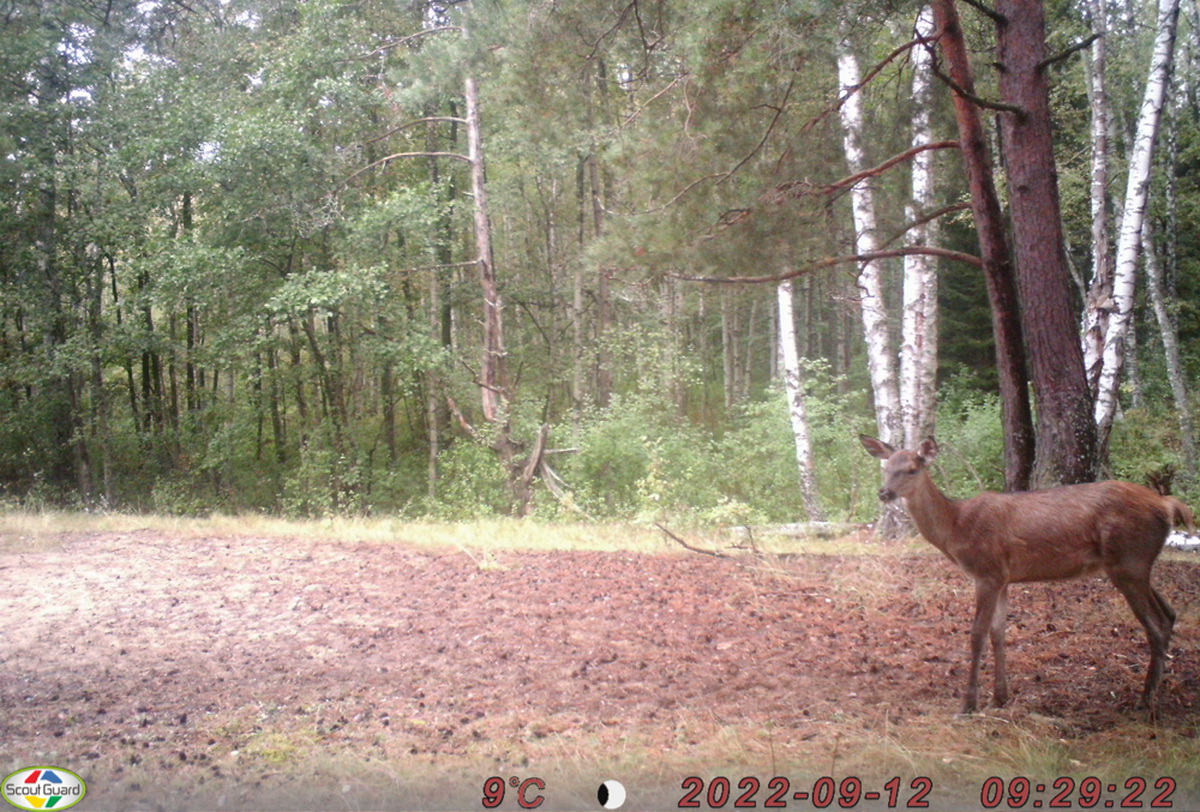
x=829, y=262
x=441, y=267
x=978, y=101
x=852, y=180
x=927, y=218
x=395, y=156
x=462, y=420
x=1079, y=46
x=686, y=546
x=405, y=40
x=413, y=123
x=996, y=17
x=638, y=111
x=763, y=141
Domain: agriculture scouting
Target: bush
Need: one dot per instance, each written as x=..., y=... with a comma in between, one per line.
x=971, y=443
x=638, y=457
x=472, y=483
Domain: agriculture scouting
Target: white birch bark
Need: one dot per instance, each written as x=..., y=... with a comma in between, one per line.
x=1136, y=195
x=796, y=404
x=1099, y=298
x=918, y=350
x=880, y=360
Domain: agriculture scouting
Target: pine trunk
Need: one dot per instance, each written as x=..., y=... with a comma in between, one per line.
x=997, y=262
x=1066, y=436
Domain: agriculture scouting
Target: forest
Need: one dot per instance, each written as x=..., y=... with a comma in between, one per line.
x=602, y=260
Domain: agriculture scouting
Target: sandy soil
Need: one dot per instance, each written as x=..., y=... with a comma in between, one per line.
x=240, y=673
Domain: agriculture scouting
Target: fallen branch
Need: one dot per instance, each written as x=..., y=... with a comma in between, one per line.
x=686, y=546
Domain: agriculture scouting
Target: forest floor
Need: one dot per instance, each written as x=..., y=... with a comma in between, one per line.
x=239, y=672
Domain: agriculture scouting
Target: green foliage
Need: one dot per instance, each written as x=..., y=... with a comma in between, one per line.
x=473, y=483
x=1145, y=443
x=637, y=459
x=221, y=287
x=970, y=439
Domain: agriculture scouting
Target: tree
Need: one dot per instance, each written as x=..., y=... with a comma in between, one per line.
x=1066, y=436
x=872, y=303
x=1137, y=192
x=997, y=261
x=794, y=387
x=919, y=333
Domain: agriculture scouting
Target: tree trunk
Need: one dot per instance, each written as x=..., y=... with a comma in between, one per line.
x=997, y=263
x=796, y=404
x=875, y=317
x=1099, y=297
x=1170, y=342
x=918, y=350
x=494, y=373
x=1137, y=192
x=1066, y=436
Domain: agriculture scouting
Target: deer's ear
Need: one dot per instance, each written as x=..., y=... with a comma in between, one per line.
x=876, y=448
x=928, y=448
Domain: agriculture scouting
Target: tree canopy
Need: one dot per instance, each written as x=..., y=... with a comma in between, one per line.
x=240, y=250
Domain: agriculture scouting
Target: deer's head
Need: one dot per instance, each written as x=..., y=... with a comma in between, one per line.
x=901, y=469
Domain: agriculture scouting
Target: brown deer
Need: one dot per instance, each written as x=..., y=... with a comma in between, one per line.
x=1049, y=535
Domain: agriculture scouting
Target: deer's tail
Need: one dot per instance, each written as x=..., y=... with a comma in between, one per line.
x=1180, y=514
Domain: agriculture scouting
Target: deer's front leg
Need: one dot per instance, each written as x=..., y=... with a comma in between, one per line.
x=999, y=624
x=987, y=596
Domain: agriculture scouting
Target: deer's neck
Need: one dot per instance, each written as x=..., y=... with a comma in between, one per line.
x=934, y=512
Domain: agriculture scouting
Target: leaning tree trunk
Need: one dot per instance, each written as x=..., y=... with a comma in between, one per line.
x=796, y=403
x=493, y=381
x=1137, y=192
x=1066, y=435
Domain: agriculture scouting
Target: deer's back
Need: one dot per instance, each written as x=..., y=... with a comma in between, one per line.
x=1062, y=532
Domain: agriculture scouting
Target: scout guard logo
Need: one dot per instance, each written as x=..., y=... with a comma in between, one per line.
x=43, y=788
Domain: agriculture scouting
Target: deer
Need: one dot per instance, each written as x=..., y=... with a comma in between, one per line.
x=1045, y=535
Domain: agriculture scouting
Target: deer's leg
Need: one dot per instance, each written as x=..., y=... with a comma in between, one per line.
x=999, y=624
x=987, y=595
x=1156, y=618
x=1167, y=612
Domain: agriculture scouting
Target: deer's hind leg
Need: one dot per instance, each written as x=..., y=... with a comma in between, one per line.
x=1167, y=611
x=1156, y=617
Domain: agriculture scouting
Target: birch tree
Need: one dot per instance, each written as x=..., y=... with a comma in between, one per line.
x=875, y=317
x=796, y=405
x=1099, y=297
x=918, y=352
x=1137, y=191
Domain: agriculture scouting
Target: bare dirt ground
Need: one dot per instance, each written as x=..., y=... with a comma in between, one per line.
x=266, y=673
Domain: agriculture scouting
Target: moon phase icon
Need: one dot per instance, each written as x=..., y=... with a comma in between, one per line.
x=611, y=794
